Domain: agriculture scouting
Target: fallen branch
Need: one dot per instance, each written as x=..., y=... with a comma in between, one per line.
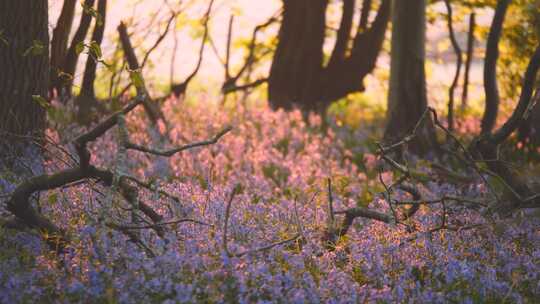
x=173, y=151
x=168, y=223
x=19, y=202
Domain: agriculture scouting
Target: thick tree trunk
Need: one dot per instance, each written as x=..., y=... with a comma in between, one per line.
x=24, y=60
x=297, y=63
x=407, y=100
x=298, y=77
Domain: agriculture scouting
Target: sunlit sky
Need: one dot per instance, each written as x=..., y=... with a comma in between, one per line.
x=249, y=13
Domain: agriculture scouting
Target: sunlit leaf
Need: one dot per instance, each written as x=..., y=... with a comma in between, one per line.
x=41, y=101
x=3, y=39
x=79, y=48
x=136, y=78
x=37, y=48
x=95, y=50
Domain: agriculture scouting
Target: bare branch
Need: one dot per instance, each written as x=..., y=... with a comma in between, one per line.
x=457, y=50
x=168, y=223
x=154, y=113
x=230, y=84
x=228, y=48
x=171, y=152
x=468, y=62
x=160, y=39
x=226, y=221
x=180, y=89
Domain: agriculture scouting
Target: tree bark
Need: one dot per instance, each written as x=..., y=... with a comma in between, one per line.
x=298, y=76
x=488, y=145
x=87, y=97
x=72, y=57
x=298, y=59
x=468, y=62
x=24, y=59
x=529, y=129
x=407, y=100
x=490, y=68
x=459, y=62
x=364, y=14
x=344, y=34
x=59, y=42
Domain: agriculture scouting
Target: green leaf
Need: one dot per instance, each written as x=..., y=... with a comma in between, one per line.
x=53, y=198
x=89, y=10
x=3, y=39
x=37, y=48
x=95, y=50
x=79, y=48
x=419, y=175
x=41, y=101
x=238, y=188
x=136, y=78
x=109, y=66
x=64, y=76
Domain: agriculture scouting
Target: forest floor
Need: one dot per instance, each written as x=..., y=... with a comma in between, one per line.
x=258, y=208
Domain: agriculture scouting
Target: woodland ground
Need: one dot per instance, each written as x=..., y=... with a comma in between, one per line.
x=279, y=167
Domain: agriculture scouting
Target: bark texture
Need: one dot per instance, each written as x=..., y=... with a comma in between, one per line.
x=407, y=100
x=490, y=68
x=87, y=98
x=299, y=77
x=24, y=59
x=72, y=56
x=59, y=41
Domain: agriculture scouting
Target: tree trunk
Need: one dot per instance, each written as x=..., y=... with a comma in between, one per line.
x=519, y=194
x=24, y=59
x=459, y=61
x=298, y=59
x=87, y=87
x=407, y=100
x=87, y=97
x=59, y=42
x=468, y=62
x=298, y=76
x=490, y=68
x=529, y=130
x=72, y=57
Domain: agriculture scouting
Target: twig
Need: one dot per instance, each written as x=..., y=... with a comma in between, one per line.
x=457, y=50
x=173, y=222
x=331, y=216
x=171, y=152
x=160, y=38
x=226, y=222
